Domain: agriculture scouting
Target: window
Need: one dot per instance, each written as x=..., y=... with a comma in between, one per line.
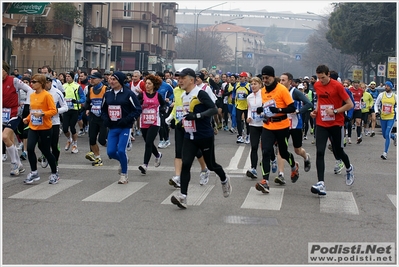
x=127, y=7
x=127, y=39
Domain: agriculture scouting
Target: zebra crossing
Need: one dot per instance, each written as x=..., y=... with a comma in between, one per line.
x=334, y=202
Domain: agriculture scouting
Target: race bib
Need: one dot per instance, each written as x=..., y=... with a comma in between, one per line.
x=179, y=113
x=96, y=110
x=189, y=126
x=357, y=105
x=363, y=105
x=69, y=103
x=324, y=115
x=241, y=96
x=114, y=112
x=255, y=116
x=6, y=115
x=266, y=108
x=387, y=109
x=35, y=120
x=149, y=116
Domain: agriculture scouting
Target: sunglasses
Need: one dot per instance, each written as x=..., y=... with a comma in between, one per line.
x=34, y=81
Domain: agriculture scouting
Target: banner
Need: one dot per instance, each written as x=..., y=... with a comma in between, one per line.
x=391, y=68
x=358, y=74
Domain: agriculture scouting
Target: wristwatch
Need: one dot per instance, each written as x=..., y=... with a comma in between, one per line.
x=335, y=111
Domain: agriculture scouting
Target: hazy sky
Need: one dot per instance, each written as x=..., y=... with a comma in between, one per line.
x=318, y=7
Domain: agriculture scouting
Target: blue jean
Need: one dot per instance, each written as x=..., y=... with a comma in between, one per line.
x=386, y=127
x=232, y=111
x=117, y=144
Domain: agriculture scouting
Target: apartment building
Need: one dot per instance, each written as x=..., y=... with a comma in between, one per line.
x=117, y=35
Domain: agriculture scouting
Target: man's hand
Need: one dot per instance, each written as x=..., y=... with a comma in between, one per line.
x=191, y=116
x=274, y=110
x=259, y=110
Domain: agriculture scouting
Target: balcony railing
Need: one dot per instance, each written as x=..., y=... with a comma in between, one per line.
x=144, y=17
x=45, y=29
x=96, y=35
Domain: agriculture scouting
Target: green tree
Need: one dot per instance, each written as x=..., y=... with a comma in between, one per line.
x=365, y=30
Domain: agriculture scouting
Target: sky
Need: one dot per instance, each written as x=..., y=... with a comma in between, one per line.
x=317, y=7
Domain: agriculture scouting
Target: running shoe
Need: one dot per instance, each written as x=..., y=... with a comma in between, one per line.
x=161, y=144
x=44, y=162
x=204, y=177
x=54, y=178
x=305, y=137
x=123, y=179
x=16, y=170
x=295, y=173
x=90, y=156
x=97, y=162
x=75, y=149
x=175, y=181
x=359, y=140
x=280, y=179
x=307, y=163
x=372, y=134
x=81, y=133
x=350, y=176
x=394, y=140
x=143, y=169
x=31, y=178
x=339, y=165
x=240, y=140
x=349, y=140
x=252, y=173
x=384, y=156
x=166, y=144
x=232, y=130
x=158, y=160
x=263, y=186
x=319, y=188
x=68, y=145
x=247, y=139
x=23, y=156
x=180, y=201
x=226, y=187
x=4, y=157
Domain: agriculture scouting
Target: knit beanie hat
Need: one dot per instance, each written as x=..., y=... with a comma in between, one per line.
x=268, y=70
x=120, y=76
x=389, y=83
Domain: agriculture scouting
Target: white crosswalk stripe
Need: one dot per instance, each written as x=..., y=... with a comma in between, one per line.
x=393, y=199
x=44, y=190
x=339, y=202
x=116, y=192
x=196, y=194
x=258, y=200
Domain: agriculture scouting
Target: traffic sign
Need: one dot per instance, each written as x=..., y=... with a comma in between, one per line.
x=250, y=55
x=298, y=57
x=381, y=70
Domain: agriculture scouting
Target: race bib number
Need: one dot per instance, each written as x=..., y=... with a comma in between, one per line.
x=36, y=120
x=96, y=110
x=114, y=112
x=363, y=105
x=6, y=115
x=387, y=109
x=69, y=103
x=255, y=116
x=266, y=108
x=149, y=116
x=323, y=113
x=179, y=113
x=241, y=96
x=189, y=126
x=357, y=104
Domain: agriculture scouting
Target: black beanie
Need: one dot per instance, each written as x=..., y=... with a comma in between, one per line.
x=268, y=70
x=120, y=76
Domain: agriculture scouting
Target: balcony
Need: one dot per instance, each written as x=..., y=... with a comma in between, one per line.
x=142, y=17
x=44, y=29
x=96, y=35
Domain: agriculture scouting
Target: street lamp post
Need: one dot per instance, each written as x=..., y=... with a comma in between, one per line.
x=196, y=25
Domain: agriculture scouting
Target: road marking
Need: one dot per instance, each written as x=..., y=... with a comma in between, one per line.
x=247, y=165
x=45, y=190
x=393, y=199
x=9, y=179
x=116, y=192
x=195, y=196
x=257, y=200
x=236, y=159
x=338, y=202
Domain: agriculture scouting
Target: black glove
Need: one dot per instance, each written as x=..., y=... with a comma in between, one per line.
x=274, y=110
x=190, y=116
x=74, y=101
x=173, y=124
x=259, y=110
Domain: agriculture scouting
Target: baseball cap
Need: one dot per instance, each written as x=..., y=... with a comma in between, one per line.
x=243, y=74
x=203, y=69
x=187, y=71
x=96, y=75
x=372, y=83
x=107, y=72
x=306, y=78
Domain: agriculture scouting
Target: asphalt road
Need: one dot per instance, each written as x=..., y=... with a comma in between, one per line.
x=87, y=218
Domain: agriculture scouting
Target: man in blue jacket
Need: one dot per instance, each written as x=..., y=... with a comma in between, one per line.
x=120, y=108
